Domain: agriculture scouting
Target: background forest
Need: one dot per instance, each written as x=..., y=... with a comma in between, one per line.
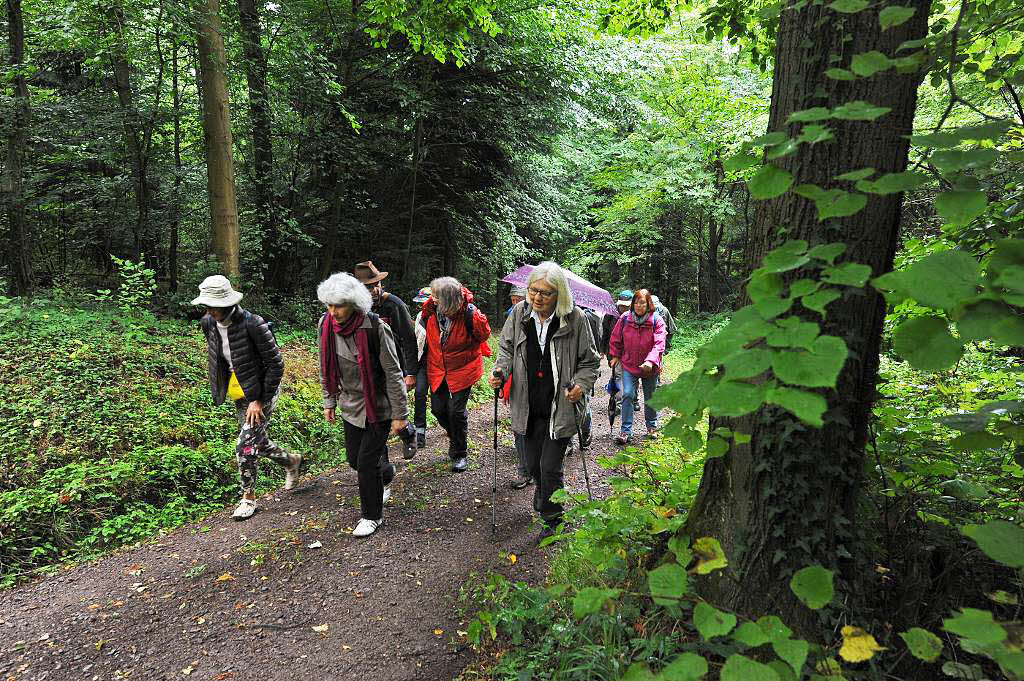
x=828, y=194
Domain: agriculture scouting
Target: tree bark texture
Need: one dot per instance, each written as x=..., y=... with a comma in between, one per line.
x=788, y=498
x=19, y=265
x=172, y=245
x=220, y=169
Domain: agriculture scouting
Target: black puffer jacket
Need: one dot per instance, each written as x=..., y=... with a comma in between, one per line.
x=258, y=363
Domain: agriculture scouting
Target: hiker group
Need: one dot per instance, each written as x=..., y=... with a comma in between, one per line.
x=372, y=352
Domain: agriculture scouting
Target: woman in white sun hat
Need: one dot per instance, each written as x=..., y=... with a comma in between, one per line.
x=245, y=364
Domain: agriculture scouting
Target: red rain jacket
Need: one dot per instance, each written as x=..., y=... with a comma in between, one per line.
x=460, y=362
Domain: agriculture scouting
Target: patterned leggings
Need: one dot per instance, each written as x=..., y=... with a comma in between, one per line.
x=253, y=443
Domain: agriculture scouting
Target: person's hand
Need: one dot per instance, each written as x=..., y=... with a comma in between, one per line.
x=410, y=382
x=612, y=361
x=574, y=395
x=254, y=413
x=495, y=381
x=329, y=414
x=647, y=367
x=397, y=426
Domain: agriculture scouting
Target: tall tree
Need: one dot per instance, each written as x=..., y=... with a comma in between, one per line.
x=788, y=497
x=12, y=192
x=220, y=168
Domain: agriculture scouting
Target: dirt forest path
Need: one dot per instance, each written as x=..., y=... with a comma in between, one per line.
x=290, y=594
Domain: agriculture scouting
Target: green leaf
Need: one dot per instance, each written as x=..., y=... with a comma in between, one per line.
x=988, y=319
x=711, y=622
x=769, y=139
x=716, y=447
x=859, y=110
x=784, y=149
x=808, y=407
x=769, y=182
x=954, y=160
x=958, y=208
x=818, y=113
x=813, y=586
x=792, y=332
x=749, y=634
x=680, y=548
x=686, y=667
x=894, y=15
x=788, y=256
x=926, y=343
x=974, y=442
x=764, y=286
x=855, y=175
x=1007, y=253
x=774, y=628
x=817, y=368
x=818, y=301
x=591, y=599
x=740, y=668
x=849, y=6
x=893, y=183
x=847, y=274
x=740, y=161
x=837, y=203
x=977, y=625
x=999, y=540
x=667, y=583
x=747, y=363
x=923, y=644
x=943, y=280
x=1011, y=280
x=828, y=252
x=735, y=398
x=793, y=652
x=710, y=556
x=839, y=74
x=868, y=64
x=803, y=287
x=638, y=671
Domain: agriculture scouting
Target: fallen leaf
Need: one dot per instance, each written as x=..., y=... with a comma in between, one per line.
x=438, y=632
x=346, y=647
x=224, y=675
x=858, y=645
x=201, y=620
x=316, y=545
x=134, y=570
x=226, y=577
x=512, y=558
x=188, y=670
x=469, y=520
x=320, y=628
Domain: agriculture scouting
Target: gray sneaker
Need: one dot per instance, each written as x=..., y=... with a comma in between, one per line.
x=245, y=509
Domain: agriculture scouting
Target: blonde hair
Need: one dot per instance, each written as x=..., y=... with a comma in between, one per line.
x=552, y=273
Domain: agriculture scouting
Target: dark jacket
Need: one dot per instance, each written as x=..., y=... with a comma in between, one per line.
x=258, y=363
x=393, y=312
x=607, y=324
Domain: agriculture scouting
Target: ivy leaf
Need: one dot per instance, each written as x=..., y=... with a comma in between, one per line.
x=667, y=583
x=894, y=15
x=817, y=368
x=712, y=622
x=859, y=110
x=818, y=301
x=788, y=256
x=710, y=556
x=958, y=208
x=806, y=406
x=858, y=645
x=868, y=64
x=749, y=634
x=923, y=644
x=591, y=599
x=793, y=652
x=740, y=668
x=813, y=586
x=818, y=113
x=769, y=182
x=926, y=343
x=686, y=667
x=999, y=540
x=942, y=280
x=847, y=274
x=977, y=625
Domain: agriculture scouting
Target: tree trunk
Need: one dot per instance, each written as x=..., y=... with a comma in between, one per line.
x=220, y=170
x=788, y=498
x=19, y=264
x=263, y=150
x=172, y=246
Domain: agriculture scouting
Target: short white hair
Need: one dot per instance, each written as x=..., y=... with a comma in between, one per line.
x=553, y=274
x=342, y=288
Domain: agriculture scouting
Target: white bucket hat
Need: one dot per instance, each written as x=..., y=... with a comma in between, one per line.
x=216, y=291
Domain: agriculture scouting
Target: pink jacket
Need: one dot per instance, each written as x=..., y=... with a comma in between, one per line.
x=635, y=343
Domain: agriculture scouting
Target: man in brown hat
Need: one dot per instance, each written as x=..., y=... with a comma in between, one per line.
x=394, y=312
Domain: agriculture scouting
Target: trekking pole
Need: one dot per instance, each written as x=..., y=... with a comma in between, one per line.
x=494, y=470
x=579, y=434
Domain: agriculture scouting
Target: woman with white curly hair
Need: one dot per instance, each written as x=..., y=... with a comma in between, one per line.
x=362, y=377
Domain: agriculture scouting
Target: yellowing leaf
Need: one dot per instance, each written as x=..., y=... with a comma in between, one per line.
x=858, y=645
x=320, y=628
x=512, y=558
x=438, y=632
x=226, y=577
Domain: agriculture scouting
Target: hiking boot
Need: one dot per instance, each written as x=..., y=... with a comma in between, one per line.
x=421, y=440
x=366, y=527
x=622, y=439
x=521, y=482
x=460, y=465
x=409, y=448
x=291, y=473
x=245, y=509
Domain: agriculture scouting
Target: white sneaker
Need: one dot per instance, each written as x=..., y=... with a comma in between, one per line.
x=366, y=527
x=246, y=507
x=291, y=473
x=387, y=493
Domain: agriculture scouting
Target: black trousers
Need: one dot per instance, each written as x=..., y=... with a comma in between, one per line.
x=367, y=452
x=544, y=457
x=450, y=411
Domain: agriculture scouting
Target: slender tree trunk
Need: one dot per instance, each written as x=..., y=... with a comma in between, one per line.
x=172, y=246
x=220, y=169
x=263, y=150
x=788, y=498
x=19, y=263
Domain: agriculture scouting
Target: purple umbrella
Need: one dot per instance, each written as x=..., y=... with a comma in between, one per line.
x=583, y=292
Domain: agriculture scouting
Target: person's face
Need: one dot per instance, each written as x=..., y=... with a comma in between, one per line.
x=640, y=306
x=340, y=313
x=219, y=314
x=543, y=297
x=375, y=290
x=517, y=299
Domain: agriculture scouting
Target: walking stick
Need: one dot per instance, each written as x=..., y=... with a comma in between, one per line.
x=494, y=470
x=579, y=434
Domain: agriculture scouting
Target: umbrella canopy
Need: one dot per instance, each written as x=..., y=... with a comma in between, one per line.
x=583, y=292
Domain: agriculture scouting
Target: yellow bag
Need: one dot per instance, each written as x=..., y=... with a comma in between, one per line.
x=235, y=391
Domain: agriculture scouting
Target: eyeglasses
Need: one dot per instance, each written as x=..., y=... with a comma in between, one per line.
x=544, y=295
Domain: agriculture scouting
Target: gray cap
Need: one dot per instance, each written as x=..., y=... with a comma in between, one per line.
x=518, y=291
x=216, y=291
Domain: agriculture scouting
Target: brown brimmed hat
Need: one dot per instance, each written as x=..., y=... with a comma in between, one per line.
x=368, y=273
